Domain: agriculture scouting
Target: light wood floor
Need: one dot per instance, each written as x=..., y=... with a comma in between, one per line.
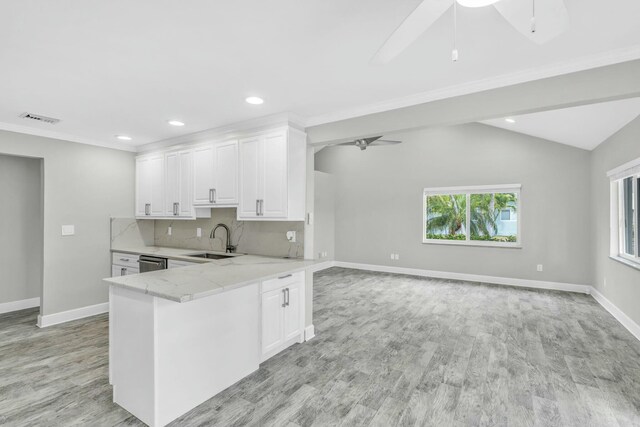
x=390, y=350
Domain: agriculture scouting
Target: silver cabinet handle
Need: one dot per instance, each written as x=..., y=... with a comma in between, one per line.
x=261, y=207
x=211, y=195
x=287, y=295
x=176, y=208
x=284, y=277
x=123, y=271
x=215, y=196
x=257, y=207
x=284, y=298
x=124, y=259
x=147, y=209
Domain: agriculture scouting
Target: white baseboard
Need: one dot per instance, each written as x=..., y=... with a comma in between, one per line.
x=535, y=284
x=309, y=332
x=67, y=316
x=625, y=320
x=7, y=307
x=322, y=266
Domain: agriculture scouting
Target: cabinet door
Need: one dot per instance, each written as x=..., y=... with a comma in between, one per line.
x=272, y=317
x=118, y=270
x=143, y=186
x=156, y=177
x=250, y=158
x=185, y=184
x=203, y=175
x=226, y=173
x=274, y=176
x=292, y=312
x=172, y=185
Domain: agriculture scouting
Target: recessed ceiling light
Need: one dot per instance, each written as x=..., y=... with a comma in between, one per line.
x=175, y=123
x=254, y=100
x=510, y=120
x=124, y=137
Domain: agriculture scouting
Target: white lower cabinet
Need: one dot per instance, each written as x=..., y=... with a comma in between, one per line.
x=119, y=270
x=282, y=313
x=124, y=264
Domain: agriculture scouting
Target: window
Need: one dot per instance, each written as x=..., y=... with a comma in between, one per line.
x=483, y=215
x=625, y=213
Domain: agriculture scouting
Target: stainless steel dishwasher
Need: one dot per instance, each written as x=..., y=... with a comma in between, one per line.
x=152, y=263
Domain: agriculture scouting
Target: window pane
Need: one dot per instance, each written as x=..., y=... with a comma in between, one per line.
x=628, y=212
x=487, y=220
x=446, y=216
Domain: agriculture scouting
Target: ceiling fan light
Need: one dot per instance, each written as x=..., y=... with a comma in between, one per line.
x=476, y=3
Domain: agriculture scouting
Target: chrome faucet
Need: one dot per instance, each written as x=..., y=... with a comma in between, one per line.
x=230, y=248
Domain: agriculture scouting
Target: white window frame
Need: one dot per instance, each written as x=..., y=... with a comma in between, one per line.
x=617, y=239
x=469, y=190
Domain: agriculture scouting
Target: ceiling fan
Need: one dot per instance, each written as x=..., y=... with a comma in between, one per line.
x=363, y=143
x=538, y=20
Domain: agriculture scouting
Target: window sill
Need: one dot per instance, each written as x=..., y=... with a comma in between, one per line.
x=625, y=261
x=472, y=243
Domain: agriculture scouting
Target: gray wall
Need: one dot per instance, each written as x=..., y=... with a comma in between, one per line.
x=379, y=201
x=20, y=228
x=83, y=185
x=622, y=282
x=325, y=215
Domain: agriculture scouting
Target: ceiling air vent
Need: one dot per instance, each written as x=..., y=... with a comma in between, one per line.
x=38, y=118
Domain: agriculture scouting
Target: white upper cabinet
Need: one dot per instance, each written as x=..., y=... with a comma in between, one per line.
x=178, y=176
x=263, y=175
x=216, y=175
x=150, y=186
x=250, y=164
x=273, y=176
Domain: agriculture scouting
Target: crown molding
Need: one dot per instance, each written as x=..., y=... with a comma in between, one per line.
x=64, y=137
x=228, y=131
x=560, y=68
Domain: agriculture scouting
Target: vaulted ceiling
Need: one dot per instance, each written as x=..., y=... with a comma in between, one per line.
x=121, y=67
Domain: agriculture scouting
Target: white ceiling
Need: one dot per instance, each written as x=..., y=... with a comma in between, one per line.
x=586, y=126
x=124, y=67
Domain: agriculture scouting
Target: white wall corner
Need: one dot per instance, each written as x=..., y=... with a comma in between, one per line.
x=625, y=320
x=8, y=307
x=75, y=314
x=309, y=332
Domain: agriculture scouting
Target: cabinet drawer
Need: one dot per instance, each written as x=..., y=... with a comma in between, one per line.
x=125, y=260
x=282, y=281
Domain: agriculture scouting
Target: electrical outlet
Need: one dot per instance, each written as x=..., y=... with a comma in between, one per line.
x=68, y=230
x=324, y=254
x=168, y=231
x=198, y=232
x=291, y=236
x=539, y=267
x=397, y=256
x=393, y=256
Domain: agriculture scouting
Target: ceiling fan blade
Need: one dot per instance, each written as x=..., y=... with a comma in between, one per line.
x=385, y=142
x=411, y=28
x=551, y=17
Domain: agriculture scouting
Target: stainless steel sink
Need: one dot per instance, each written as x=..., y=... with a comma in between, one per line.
x=209, y=255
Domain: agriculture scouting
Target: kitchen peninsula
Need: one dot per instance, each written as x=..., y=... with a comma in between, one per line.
x=180, y=336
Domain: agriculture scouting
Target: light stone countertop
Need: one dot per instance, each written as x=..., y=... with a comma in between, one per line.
x=206, y=279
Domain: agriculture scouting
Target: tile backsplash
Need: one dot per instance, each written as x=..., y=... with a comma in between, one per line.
x=130, y=232
x=252, y=237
